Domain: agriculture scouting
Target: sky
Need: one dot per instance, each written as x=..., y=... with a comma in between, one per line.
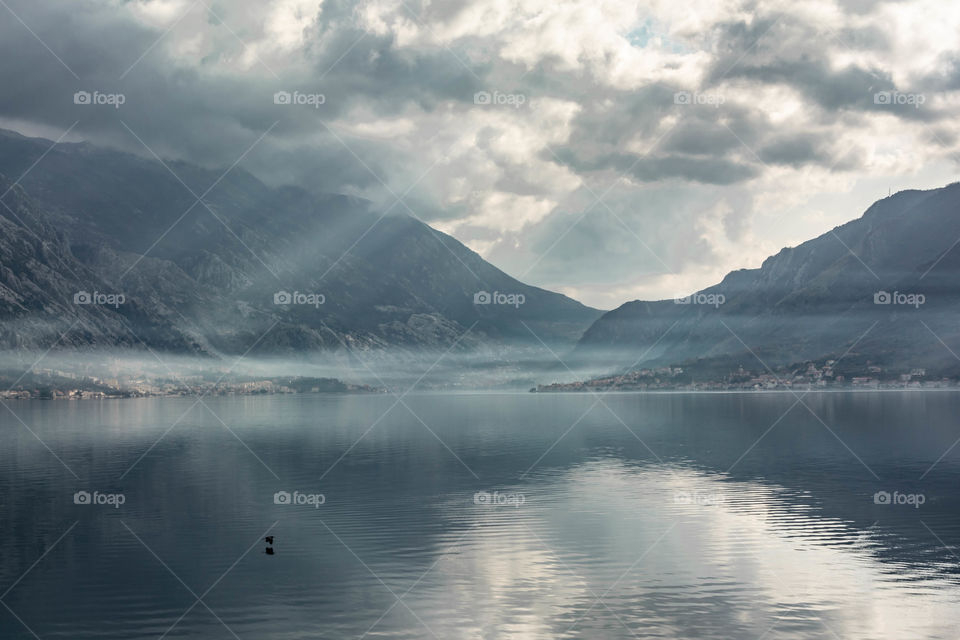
x=609, y=150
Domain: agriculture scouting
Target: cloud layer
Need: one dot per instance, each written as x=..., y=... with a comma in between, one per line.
x=603, y=148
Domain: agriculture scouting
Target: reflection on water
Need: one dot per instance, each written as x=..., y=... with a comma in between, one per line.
x=483, y=516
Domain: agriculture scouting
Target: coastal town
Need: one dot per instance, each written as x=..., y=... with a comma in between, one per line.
x=58, y=384
x=65, y=384
x=809, y=376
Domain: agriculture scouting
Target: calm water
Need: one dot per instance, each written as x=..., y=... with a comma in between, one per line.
x=688, y=527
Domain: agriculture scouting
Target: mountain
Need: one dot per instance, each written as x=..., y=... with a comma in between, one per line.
x=194, y=276
x=885, y=285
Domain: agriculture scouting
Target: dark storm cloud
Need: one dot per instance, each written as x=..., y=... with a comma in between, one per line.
x=611, y=117
x=694, y=149
x=182, y=110
x=947, y=76
x=192, y=111
x=797, y=150
x=786, y=89
x=697, y=148
x=780, y=49
x=864, y=7
x=656, y=167
x=700, y=137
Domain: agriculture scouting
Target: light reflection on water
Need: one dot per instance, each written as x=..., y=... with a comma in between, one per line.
x=656, y=526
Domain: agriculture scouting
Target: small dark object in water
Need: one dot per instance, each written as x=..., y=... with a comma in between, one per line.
x=269, y=539
x=268, y=551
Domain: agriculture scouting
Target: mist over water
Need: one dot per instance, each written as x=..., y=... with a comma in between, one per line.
x=396, y=369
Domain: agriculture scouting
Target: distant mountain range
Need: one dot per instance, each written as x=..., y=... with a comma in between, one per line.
x=100, y=248
x=885, y=286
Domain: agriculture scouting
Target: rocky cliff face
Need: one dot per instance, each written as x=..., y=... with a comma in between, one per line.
x=893, y=269
x=213, y=274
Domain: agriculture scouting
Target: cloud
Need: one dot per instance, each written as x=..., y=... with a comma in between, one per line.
x=712, y=116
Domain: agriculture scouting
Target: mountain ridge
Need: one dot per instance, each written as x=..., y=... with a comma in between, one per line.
x=199, y=275
x=815, y=298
